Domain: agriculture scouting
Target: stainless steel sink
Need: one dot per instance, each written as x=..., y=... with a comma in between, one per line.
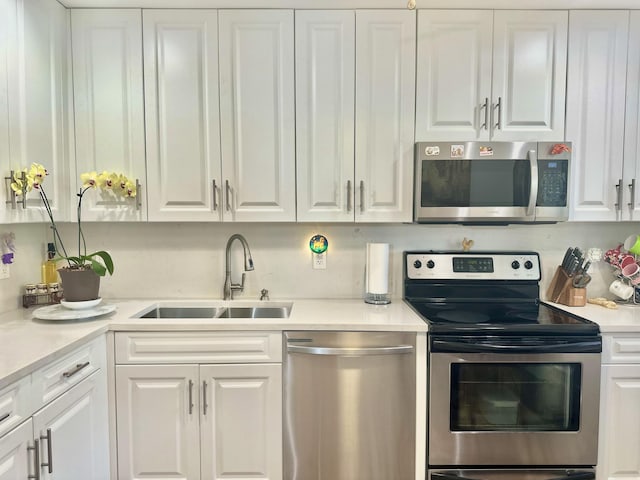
x=256, y=312
x=183, y=312
x=243, y=310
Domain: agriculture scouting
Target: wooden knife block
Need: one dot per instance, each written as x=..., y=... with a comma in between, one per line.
x=562, y=291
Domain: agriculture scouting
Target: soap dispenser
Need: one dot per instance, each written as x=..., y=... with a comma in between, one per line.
x=49, y=267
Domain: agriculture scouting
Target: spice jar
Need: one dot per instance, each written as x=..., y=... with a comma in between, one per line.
x=41, y=289
x=30, y=289
x=54, y=287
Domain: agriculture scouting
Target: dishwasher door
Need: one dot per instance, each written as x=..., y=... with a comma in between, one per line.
x=350, y=401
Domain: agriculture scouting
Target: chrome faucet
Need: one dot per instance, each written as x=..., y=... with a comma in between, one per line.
x=230, y=287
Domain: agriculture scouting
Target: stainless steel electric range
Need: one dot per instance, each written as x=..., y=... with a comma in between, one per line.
x=513, y=383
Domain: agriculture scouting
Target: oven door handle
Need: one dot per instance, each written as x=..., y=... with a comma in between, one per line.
x=569, y=476
x=591, y=345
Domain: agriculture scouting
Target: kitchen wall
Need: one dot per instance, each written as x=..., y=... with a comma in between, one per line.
x=187, y=260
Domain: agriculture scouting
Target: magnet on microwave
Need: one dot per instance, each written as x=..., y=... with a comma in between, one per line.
x=457, y=151
x=432, y=150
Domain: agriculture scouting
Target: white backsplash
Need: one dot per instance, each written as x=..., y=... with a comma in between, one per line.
x=187, y=260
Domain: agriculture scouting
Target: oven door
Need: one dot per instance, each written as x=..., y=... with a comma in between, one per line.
x=485, y=182
x=514, y=401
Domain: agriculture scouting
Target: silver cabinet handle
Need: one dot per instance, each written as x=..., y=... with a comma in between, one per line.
x=485, y=106
x=499, y=107
x=618, y=203
x=361, y=195
x=215, y=194
x=204, y=397
x=533, y=194
x=348, y=195
x=228, y=195
x=36, y=460
x=350, y=352
x=138, y=196
x=76, y=369
x=4, y=417
x=632, y=188
x=12, y=195
x=49, y=463
x=190, y=397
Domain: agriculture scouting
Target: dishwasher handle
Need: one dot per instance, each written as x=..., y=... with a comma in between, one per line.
x=350, y=352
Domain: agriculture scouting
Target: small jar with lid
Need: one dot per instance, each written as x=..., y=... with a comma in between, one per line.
x=53, y=287
x=41, y=289
x=30, y=289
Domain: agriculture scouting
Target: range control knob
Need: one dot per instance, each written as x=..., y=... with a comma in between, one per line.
x=515, y=264
x=417, y=264
x=430, y=264
x=528, y=264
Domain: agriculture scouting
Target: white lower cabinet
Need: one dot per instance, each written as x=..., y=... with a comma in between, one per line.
x=65, y=437
x=188, y=420
x=619, y=440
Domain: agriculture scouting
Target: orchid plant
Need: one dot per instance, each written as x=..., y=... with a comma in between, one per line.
x=119, y=185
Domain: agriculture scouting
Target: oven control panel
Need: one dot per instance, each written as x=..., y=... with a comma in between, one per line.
x=472, y=266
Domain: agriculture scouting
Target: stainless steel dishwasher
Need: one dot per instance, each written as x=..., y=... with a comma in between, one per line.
x=350, y=400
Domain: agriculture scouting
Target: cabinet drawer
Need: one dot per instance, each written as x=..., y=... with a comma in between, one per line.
x=15, y=404
x=60, y=375
x=621, y=348
x=202, y=347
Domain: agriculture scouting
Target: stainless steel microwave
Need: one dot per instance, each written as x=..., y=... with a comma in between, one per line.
x=492, y=182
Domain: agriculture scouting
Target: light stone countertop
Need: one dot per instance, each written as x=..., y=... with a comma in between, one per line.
x=624, y=319
x=28, y=344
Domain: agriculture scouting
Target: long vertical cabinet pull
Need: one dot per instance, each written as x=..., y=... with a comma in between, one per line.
x=36, y=460
x=499, y=107
x=49, y=462
x=632, y=191
x=361, y=196
x=204, y=397
x=138, y=194
x=348, y=195
x=618, y=203
x=215, y=196
x=190, y=397
x=227, y=188
x=485, y=107
x=12, y=195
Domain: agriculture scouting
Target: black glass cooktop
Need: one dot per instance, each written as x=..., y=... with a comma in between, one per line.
x=501, y=318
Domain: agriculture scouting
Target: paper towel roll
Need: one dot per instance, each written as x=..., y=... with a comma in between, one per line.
x=377, y=268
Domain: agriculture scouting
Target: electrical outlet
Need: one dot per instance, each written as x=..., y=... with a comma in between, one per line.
x=5, y=272
x=319, y=261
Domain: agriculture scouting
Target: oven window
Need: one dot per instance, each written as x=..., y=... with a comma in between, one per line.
x=475, y=183
x=515, y=397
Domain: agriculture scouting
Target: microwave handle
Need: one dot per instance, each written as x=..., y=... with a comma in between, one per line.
x=533, y=194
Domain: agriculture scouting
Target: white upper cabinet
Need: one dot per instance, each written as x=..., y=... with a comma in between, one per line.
x=182, y=114
x=325, y=115
x=486, y=75
x=38, y=95
x=109, y=106
x=258, y=114
x=6, y=6
x=631, y=169
x=596, y=85
x=385, y=113
x=453, y=92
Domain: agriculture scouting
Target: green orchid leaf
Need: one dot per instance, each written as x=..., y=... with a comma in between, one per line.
x=98, y=268
x=106, y=258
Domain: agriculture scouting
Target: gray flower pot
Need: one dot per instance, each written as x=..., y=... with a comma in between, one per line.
x=79, y=284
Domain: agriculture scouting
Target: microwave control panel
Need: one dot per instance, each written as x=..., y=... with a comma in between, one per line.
x=553, y=181
x=472, y=266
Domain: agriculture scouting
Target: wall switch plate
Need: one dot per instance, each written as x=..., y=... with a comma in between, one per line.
x=319, y=260
x=5, y=272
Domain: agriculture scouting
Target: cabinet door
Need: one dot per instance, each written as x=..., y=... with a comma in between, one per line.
x=182, y=114
x=595, y=111
x=77, y=446
x=385, y=112
x=529, y=75
x=38, y=103
x=16, y=462
x=631, y=169
x=158, y=422
x=258, y=115
x=619, y=440
x=453, y=94
x=241, y=421
x=7, y=11
x=325, y=76
x=109, y=105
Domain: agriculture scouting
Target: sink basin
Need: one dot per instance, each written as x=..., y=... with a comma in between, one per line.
x=242, y=310
x=183, y=312
x=256, y=312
